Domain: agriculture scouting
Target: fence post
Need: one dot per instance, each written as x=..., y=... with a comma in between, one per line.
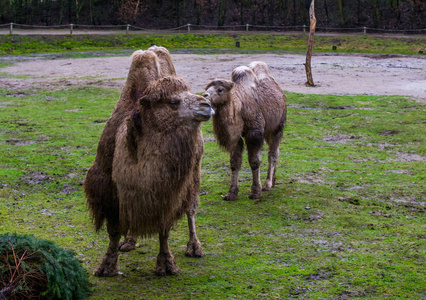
x=247, y=27
x=365, y=30
x=189, y=28
x=304, y=28
x=11, y=28
x=71, y=27
x=127, y=29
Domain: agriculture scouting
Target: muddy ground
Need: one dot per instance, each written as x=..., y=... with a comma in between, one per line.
x=338, y=74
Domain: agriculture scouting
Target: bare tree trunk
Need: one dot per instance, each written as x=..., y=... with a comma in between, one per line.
x=91, y=12
x=136, y=12
x=310, y=81
x=326, y=10
x=198, y=10
x=377, y=10
x=341, y=12
x=222, y=12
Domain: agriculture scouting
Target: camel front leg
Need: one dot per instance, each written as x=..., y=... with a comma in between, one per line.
x=193, y=248
x=236, y=161
x=165, y=260
x=108, y=266
x=254, y=141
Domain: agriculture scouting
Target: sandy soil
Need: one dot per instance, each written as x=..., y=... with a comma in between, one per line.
x=332, y=73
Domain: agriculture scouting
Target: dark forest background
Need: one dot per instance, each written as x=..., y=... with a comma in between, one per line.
x=161, y=14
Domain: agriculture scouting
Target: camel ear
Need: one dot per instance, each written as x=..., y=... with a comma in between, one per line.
x=230, y=85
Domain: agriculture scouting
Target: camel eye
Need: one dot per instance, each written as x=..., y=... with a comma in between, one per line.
x=174, y=103
x=220, y=90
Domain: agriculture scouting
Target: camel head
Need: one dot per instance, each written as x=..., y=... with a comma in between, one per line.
x=218, y=92
x=168, y=103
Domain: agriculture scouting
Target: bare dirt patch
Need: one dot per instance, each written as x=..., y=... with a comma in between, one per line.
x=333, y=73
x=341, y=138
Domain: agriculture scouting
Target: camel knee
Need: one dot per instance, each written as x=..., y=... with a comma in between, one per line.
x=273, y=156
x=254, y=139
x=254, y=160
x=255, y=164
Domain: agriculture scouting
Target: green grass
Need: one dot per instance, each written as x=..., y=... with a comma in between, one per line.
x=346, y=218
x=206, y=43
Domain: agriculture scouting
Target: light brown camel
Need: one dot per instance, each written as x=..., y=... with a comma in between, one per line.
x=146, y=173
x=251, y=108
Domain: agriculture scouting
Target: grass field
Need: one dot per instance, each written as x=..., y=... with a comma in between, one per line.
x=211, y=43
x=345, y=220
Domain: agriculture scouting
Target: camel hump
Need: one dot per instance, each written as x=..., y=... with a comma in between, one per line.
x=144, y=69
x=167, y=67
x=141, y=58
x=260, y=68
x=243, y=75
x=164, y=88
x=158, y=49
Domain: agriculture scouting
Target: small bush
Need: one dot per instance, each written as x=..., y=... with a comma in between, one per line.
x=32, y=268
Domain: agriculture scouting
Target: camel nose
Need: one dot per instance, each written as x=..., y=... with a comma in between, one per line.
x=205, y=95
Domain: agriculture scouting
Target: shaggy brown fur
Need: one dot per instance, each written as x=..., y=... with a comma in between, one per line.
x=147, y=169
x=152, y=65
x=250, y=108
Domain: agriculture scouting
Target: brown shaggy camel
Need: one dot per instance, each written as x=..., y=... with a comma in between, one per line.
x=101, y=171
x=166, y=68
x=251, y=108
x=146, y=173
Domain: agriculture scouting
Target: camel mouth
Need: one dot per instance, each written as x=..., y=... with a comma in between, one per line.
x=204, y=113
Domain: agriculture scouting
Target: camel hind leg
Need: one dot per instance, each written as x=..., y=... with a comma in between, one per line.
x=273, y=155
x=254, y=141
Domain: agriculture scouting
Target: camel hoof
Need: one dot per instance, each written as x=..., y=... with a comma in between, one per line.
x=230, y=197
x=105, y=271
x=127, y=245
x=166, y=265
x=193, y=249
x=232, y=194
x=267, y=186
x=256, y=195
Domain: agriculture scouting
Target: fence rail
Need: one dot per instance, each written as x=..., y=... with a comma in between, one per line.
x=189, y=27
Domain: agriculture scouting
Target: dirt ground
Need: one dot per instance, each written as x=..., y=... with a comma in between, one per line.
x=339, y=74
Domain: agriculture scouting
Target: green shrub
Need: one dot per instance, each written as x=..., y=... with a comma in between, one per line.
x=31, y=267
